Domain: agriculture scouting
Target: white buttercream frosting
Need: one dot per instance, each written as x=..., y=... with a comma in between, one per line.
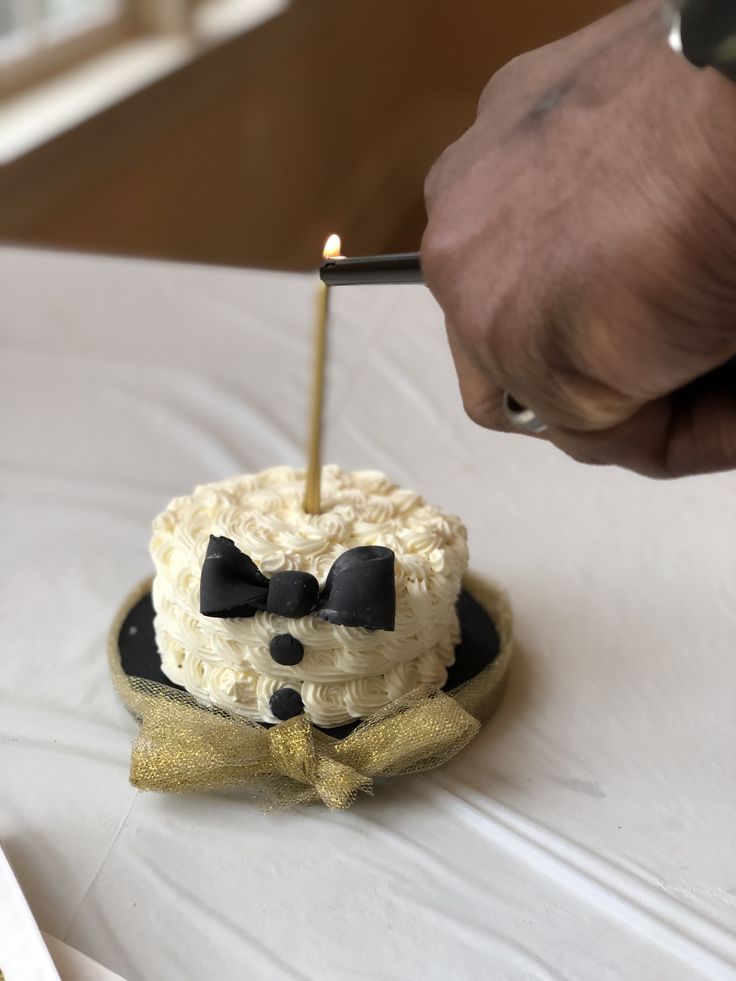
x=346, y=672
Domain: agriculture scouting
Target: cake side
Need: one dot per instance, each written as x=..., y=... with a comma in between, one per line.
x=338, y=673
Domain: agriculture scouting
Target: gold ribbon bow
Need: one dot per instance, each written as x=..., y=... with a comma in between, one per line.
x=181, y=747
x=184, y=747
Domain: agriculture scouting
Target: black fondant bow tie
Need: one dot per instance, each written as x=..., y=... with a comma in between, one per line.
x=359, y=592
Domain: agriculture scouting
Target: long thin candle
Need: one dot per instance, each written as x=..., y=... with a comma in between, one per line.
x=312, y=500
x=313, y=490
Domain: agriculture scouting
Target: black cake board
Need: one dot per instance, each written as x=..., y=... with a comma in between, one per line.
x=478, y=647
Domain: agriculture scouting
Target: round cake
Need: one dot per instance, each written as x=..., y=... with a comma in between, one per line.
x=267, y=612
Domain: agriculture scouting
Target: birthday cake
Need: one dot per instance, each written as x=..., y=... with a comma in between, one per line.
x=268, y=612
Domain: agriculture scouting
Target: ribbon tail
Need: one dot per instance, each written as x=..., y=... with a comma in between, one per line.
x=182, y=748
x=419, y=731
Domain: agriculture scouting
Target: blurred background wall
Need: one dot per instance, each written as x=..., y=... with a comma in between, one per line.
x=324, y=117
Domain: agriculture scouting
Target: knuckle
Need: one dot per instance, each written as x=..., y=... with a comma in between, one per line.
x=482, y=411
x=488, y=93
x=586, y=448
x=432, y=182
x=584, y=456
x=505, y=75
x=439, y=251
x=435, y=180
x=431, y=247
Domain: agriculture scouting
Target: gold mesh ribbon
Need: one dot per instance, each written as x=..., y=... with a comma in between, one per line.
x=183, y=746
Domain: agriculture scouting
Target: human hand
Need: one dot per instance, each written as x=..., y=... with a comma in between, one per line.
x=582, y=244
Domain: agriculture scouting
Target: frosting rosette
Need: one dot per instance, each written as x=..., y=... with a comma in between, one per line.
x=268, y=667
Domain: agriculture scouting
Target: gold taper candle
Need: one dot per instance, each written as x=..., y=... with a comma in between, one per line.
x=312, y=497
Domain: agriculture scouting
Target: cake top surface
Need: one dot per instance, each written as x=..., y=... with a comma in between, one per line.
x=264, y=515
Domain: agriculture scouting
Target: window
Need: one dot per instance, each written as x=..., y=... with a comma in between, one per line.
x=38, y=37
x=27, y=26
x=62, y=62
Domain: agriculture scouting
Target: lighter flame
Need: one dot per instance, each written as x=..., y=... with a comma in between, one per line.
x=332, y=247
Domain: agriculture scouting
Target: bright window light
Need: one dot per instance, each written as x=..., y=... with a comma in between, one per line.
x=30, y=26
x=78, y=12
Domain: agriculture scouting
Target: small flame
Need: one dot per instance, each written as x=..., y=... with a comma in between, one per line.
x=332, y=247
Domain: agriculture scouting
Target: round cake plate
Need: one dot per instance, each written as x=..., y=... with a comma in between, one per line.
x=139, y=657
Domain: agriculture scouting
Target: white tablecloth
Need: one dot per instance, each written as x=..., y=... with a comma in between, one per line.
x=588, y=833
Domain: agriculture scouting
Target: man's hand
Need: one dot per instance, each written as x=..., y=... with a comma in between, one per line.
x=582, y=244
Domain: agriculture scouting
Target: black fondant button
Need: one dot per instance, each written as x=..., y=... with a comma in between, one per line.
x=286, y=649
x=286, y=703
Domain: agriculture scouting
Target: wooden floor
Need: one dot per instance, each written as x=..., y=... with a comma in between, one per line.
x=324, y=119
